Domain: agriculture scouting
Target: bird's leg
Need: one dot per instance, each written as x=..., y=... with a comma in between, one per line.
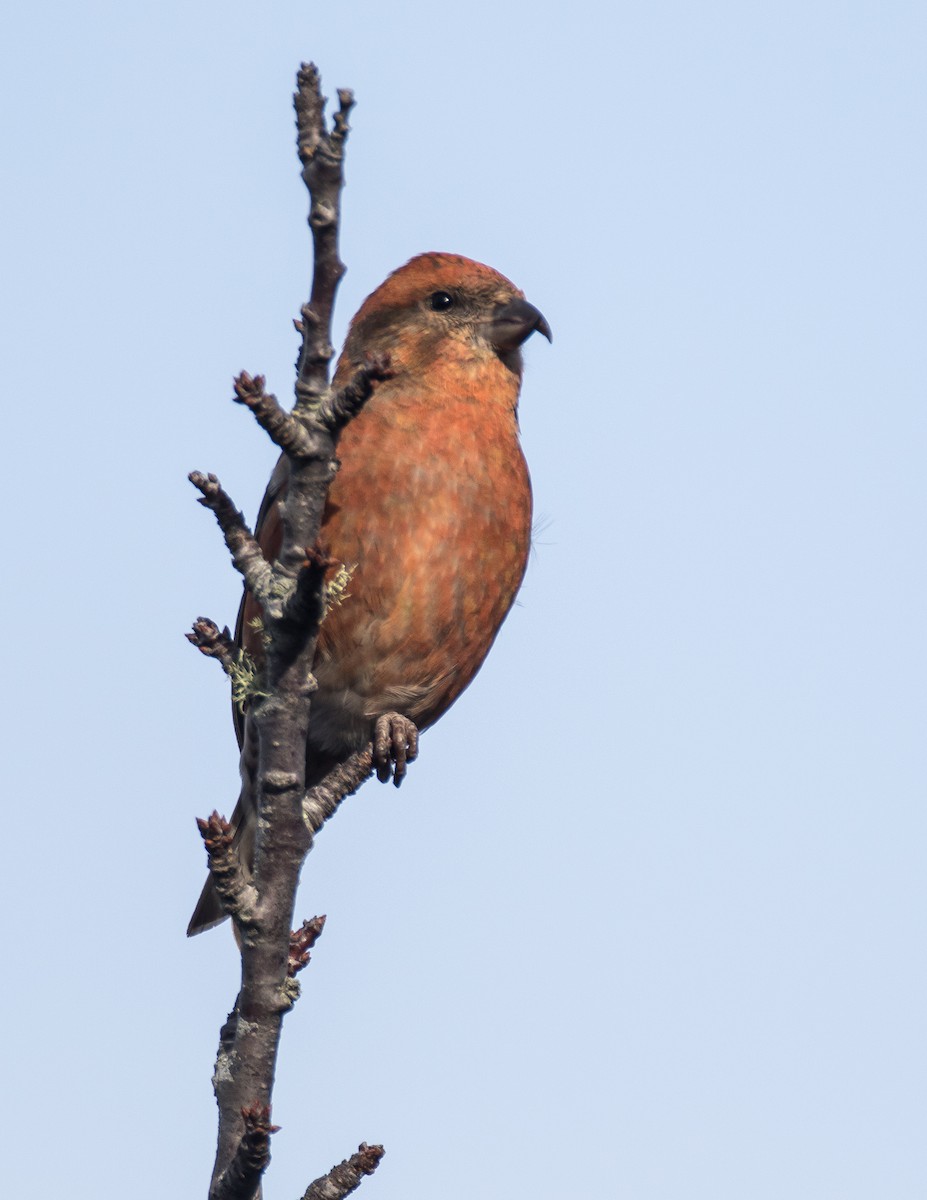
x=395, y=743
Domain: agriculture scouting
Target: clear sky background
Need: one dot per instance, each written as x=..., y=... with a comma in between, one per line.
x=647, y=920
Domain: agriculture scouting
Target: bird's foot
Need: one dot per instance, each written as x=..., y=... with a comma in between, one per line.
x=395, y=743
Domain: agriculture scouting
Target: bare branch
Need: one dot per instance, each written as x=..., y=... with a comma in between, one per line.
x=322, y=801
x=213, y=642
x=321, y=154
x=237, y=895
x=282, y=427
x=337, y=410
x=292, y=593
x=240, y=667
x=243, y=546
x=347, y=1177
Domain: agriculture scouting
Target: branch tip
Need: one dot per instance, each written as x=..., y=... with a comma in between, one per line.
x=213, y=642
x=321, y=153
x=248, y=388
x=203, y=482
x=301, y=942
x=347, y=1176
x=216, y=832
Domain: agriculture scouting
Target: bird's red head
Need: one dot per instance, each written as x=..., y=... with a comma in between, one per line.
x=441, y=307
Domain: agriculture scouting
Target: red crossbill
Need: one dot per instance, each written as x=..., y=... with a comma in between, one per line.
x=430, y=512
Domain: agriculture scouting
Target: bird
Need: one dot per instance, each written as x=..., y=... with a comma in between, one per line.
x=429, y=515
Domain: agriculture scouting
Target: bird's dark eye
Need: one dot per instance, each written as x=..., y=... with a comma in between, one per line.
x=441, y=301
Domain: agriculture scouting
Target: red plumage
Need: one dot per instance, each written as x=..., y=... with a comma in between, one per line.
x=430, y=511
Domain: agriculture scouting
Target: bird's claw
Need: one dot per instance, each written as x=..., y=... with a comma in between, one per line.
x=395, y=744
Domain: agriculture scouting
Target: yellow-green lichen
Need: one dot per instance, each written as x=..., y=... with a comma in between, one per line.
x=245, y=679
x=336, y=590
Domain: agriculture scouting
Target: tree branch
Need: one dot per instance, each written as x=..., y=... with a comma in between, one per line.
x=213, y=642
x=321, y=802
x=247, y=555
x=335, y=411
x=347, y=1177
x=291, y=592
x=282, y=427
x=237, y=895
x=322, y=157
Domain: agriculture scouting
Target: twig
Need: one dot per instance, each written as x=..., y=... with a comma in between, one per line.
x=337, y=410
x=347, y=1177
x=282, y=427
x=243, y=546
x=213, y=642
x=237, y=895
x=322, y=801
x=322, y=157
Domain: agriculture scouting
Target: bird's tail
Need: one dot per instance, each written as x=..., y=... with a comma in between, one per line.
x=208, y=912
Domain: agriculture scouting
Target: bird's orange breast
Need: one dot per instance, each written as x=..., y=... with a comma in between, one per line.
x=432, y=511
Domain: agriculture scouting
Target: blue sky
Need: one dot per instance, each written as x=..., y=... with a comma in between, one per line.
x=647, y=919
